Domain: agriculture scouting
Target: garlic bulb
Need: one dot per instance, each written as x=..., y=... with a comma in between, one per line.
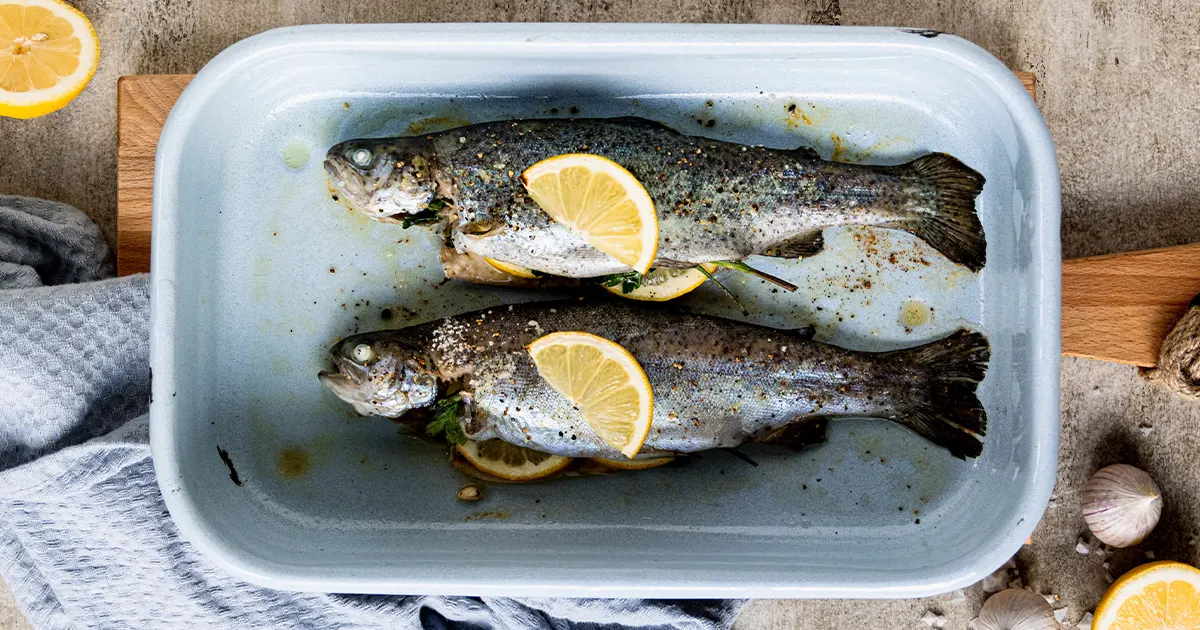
x=1016, y=609
x=1121, y=505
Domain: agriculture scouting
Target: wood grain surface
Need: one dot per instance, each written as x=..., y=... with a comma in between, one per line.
x=1119, y=307
x=143, y=103
x=1116, y=308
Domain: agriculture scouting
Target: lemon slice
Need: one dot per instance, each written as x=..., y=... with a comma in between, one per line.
x=48, y=53
x=1155, y=596
x=599, y=200
x=511, y=462
x=641, y=463
x=603, y=381
x=661, y=285
x=509, y=268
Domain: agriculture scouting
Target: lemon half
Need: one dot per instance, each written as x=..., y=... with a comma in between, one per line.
x=509, y=268
x=661, y=285
x=599, y=200
x=641, y=463
x=511, y=462
x=48, y=53
x=1154, y=596
x=603, y=380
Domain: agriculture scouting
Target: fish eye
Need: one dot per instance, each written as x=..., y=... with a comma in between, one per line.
x=362, y=353
x=361, y=157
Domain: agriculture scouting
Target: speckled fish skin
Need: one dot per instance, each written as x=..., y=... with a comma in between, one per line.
x=715, y=200
x=716, y=383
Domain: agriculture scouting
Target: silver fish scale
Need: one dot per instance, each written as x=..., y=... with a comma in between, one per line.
x=715, y=200
x=716, y=383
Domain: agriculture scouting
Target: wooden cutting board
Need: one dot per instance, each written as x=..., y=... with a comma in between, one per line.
x=1115, y=308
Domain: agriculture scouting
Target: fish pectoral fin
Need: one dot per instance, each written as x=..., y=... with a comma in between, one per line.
x=481, y=229
x=475, y=422
x=803, y=432
x=801, y=246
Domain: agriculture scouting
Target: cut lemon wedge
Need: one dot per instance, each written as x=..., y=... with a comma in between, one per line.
x=48, y=53
x=511, y=462
x=661, y=285
x=599, y=200
x=641, y=463
x=509, y=268
x=1155, y=596
x=603, y=381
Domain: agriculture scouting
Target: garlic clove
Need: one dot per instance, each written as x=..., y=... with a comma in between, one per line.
x=1016, y=609
x=470, y=492
x=1121, y=505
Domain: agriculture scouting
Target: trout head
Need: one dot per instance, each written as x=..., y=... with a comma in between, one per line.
x=387, y=179
x=381, y=374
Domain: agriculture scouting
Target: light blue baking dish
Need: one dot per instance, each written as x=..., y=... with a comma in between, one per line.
x=256, y=271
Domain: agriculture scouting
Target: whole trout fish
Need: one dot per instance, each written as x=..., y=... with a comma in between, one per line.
x=716, y=201
x=716, y=383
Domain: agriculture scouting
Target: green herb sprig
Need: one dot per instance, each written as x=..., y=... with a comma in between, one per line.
x=629, y=281
x=728, y=293
x=431, y=214
x=744, y=268
x=446, y=413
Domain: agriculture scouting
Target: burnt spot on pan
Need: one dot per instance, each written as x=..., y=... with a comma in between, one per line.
x=233, y=473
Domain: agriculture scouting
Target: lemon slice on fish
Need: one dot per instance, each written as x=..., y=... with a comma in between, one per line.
x=511, y=462
x=641, y=463
x=1155, y=596
x=509, y=268
x=599, y=200
x=661, y=285
x=603, y=381
x=48, y=53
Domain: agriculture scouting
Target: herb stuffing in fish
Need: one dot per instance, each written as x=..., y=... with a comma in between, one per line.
x=716, y=383
x=715, y=201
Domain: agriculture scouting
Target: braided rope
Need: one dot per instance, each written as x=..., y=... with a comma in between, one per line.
x=1178, y=367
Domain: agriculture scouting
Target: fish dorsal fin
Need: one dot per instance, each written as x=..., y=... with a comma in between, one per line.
x=807, y=153
x=800, y=246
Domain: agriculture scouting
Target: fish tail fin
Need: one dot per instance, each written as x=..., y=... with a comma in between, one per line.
x=952, y=226
x=951, y=415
